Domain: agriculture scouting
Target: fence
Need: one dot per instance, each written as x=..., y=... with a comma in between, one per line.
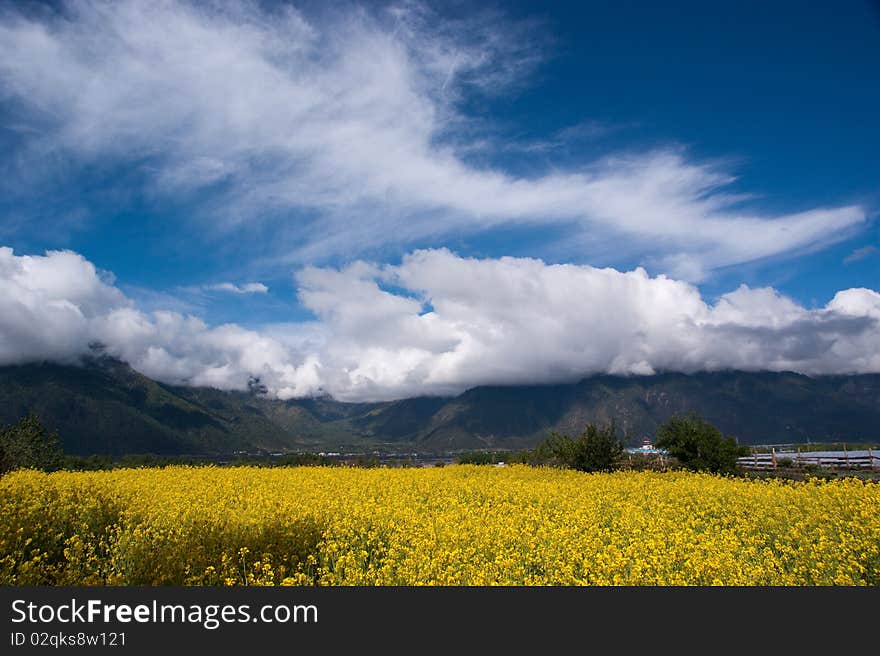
x=868, y=459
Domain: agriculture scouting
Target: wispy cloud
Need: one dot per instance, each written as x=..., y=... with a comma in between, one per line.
x=861, y=254
x=342, y=133
x=569, y=139
x=247, y=288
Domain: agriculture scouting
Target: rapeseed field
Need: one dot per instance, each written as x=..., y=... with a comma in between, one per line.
x=456, y=525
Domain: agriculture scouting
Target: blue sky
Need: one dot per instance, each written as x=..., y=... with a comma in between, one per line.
x=192, y=151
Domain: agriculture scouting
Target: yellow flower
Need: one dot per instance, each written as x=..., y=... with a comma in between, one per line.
x=458, y=525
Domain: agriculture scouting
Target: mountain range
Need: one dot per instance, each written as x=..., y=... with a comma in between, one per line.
x=102, y=406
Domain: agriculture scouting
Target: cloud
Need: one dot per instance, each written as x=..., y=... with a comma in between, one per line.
x=47, y=304
x=464, y=322
x=347, y=132
x=437, y=323
x=247, y=288
x=860, y=254
x=58, y=306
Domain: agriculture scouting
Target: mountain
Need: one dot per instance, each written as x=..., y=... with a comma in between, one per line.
x=758, y=408
x=104, y=406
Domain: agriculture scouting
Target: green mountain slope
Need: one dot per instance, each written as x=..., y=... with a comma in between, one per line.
x=756, y=407
x=106, y=407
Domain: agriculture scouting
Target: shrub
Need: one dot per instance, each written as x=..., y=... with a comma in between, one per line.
x=483, y=458
x=597, y=449
x=698, y=445
x=28, y=445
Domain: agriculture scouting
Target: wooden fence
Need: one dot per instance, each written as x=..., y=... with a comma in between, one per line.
x=823, y=460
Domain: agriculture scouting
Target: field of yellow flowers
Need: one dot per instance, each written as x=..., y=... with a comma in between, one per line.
x=456, y=525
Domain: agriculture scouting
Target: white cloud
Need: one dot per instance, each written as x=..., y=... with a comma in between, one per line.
x=437, y=323
x=54, y=307
x=352, y=120
x=47, y=303
x=516, y=320
x=860, y=254
x=247, y=288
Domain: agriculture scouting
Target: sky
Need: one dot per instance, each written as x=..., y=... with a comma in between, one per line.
x=387, y=199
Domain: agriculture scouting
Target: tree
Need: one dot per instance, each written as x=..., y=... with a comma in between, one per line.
x=699, y=445
x=483, y=458
x=597, y=449
x=29, y=445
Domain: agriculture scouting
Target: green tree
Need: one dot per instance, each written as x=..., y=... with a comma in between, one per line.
x=699, y=445
x=483, y=457
x=597, y=449
x=29, y=445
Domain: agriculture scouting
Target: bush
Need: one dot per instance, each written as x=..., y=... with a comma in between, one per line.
x=597, y=449
x=699, y=445
x=483, y=457
x=29, y=445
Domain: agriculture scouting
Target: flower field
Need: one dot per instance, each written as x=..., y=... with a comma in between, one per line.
x=457, y=525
